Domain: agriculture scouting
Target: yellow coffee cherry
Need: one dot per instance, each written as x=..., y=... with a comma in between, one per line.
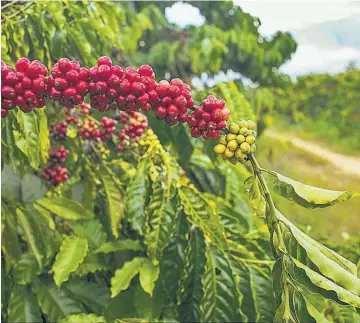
x=244, y=131
x=149, y=132
x=250, y=139
x=242, y=123
x=232, y=145
x=240, y=139
x=230, y=137
x=228, y=153
x=223, y=156
x=253, y=149
x=219, y=149
x=222, y=140
x=253, y=133
x=245, y=147
x=239, y=154
x=251, y=125
x=234, y=128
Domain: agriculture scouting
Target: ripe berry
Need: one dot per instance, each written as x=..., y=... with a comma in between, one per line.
x=22, y=64
x=33, y=70
x=104, y=72
x=104, y=60
x=7, y=92
x=4, y=113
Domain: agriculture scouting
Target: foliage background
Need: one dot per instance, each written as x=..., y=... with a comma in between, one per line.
x=96, y=236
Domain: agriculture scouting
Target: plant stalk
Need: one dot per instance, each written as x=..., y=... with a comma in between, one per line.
x=271, y=217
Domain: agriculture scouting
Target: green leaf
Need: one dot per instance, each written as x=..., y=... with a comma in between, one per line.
x=146, y=306
x=26, y=269
x=10, y=245
x=219, y=303
x=55, y=303
x=331, y=265
x=91, y=229
x=122, y=306
x=148, y=276
x=192, y=289
x=256, y=200
x=84, y=318
x=32, y=234
x=135, y=197
x=94, y=295
x=306, y=195
x=72, y=253
x=115, y=201
x=202, y=215
x=119, y=245
x=92, y=264
x=23, y=306
x=64, y=208
x=30, y=132
x=123, y=276
x=43, y=134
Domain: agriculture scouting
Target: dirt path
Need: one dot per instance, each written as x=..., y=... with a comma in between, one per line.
x=347, y=164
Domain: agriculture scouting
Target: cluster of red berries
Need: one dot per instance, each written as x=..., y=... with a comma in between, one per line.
x=173, y=101
x=68, y=83
x=53, y=172
x=109, y=86
x=26, y=87
x=59, y=155
x=55, y=175
x=135, y=125
x=58, y=130
x=209, y=118
x=107, y=126
x=88, y=130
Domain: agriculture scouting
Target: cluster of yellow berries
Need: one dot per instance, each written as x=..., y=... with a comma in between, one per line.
x=239, y=142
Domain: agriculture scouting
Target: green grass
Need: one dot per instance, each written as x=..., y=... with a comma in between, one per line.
x=331, y=223
x=324, y=133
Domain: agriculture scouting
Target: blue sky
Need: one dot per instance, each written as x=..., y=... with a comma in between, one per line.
x=327, y=32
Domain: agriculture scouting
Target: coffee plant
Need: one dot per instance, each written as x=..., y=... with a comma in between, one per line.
x=103, y=221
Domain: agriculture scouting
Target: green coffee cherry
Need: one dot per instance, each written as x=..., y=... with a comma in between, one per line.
x=242, y=123
x=250, y=139
x=234, y=128
x=228, y=153
x=232, y=145
x=251, y=125
x=239, y=154
x=253, y=149
x=245, y=147
x=222, y=140
x=240, y=139
x=230, y=137
x=219, y=149
x=244, y=131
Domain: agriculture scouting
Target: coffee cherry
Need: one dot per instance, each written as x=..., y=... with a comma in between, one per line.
x=234, y=128
x=22, y=64
x=219, y=149
x=250, y=139
x=240, y=139
x=245, y=147
x=239, y=154
x=232, y=145
x=104, y=60
x=4, y=113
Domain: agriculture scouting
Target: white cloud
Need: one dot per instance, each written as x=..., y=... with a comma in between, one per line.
x=318, y=50
x=311, y=58
x=294, y=14
x=184, y=14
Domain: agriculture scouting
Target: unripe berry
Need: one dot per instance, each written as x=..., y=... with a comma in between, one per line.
x=230, y=137
x=250, y=139
x=219, y=149
x=253, y=149
x=228, y=153
x=244, y=131
x=234, y=128
x=245, y=147
x=240, y=139
x=251, y=125
x=222, y=140
x=239, y=154
x=243, y=124
x=232, y=145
